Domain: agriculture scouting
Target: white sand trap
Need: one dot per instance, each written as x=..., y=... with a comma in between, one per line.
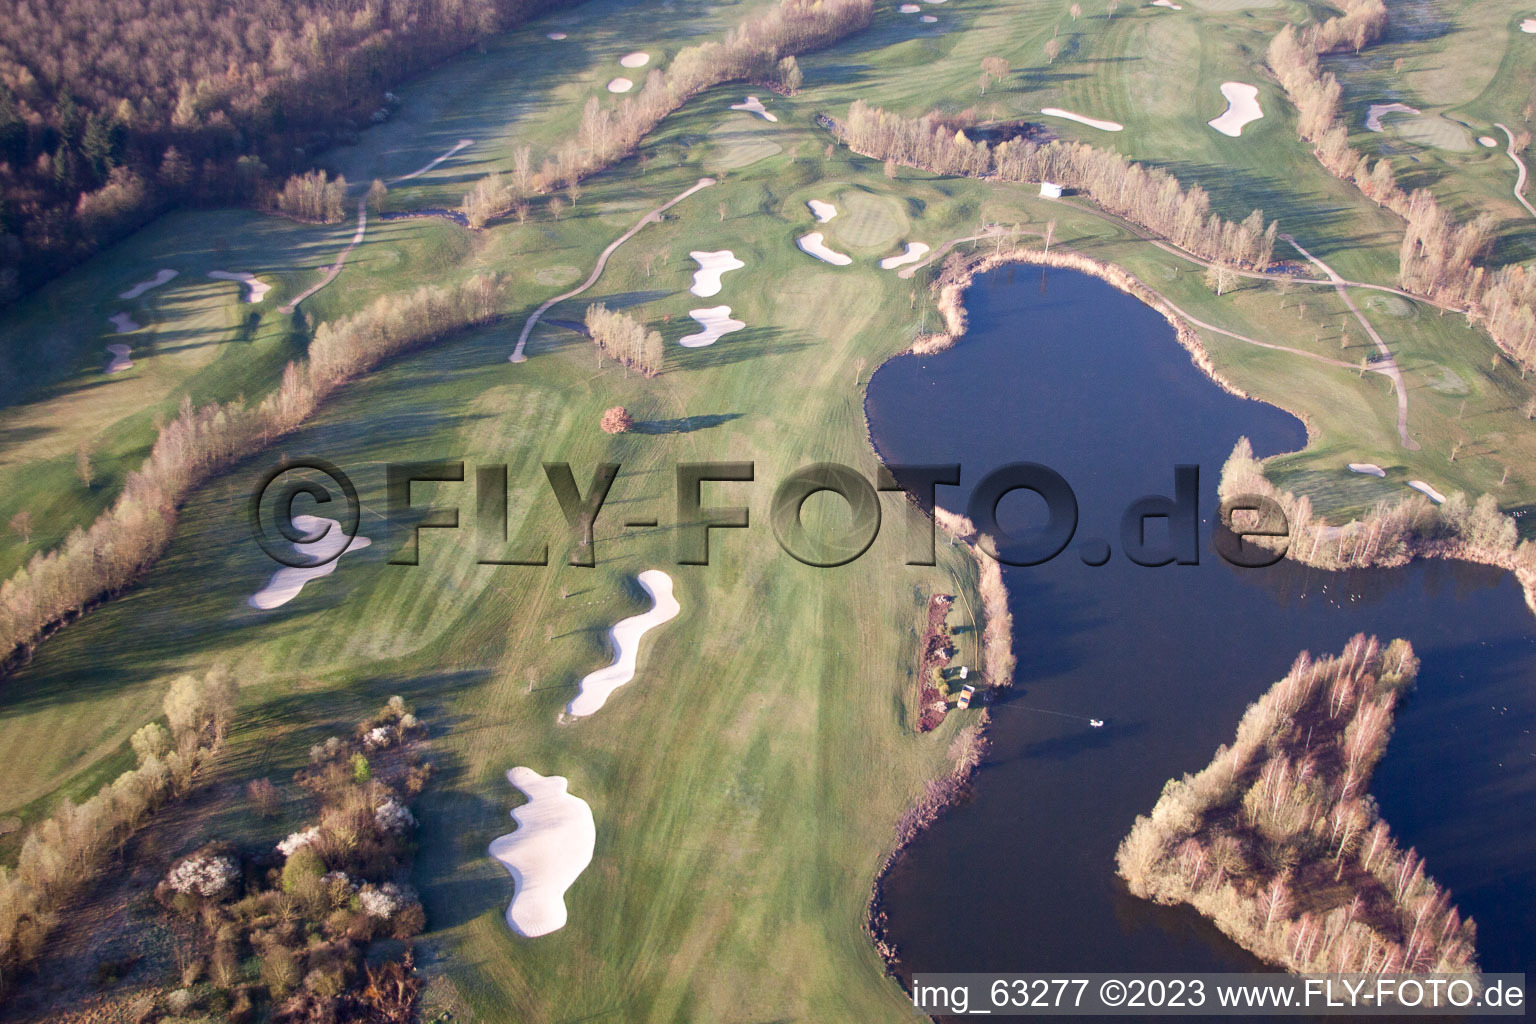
x=1528, y=25
x=1424, y=488
x=1168, y=4
x=706, y=280
x=123, y=322
x=620, y=85
x=637, y=59
x=755, y=106
x=1373, y=115
x=915, y=251
x=909, y=8
x=286, y=583
x=257, y=290
x=823, y=210
x=120, y=360
x=1368, y=468
x=552, y=846
x=1487, y=140
x=815, y=245
x=556, y=36
x=144, y=286
x=928, y=19
x=625, y=636
x=1092, y=122
x=1242, y=107
x=717, y=323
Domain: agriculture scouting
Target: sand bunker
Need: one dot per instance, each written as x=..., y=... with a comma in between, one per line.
x=620, y=85
x=1373, y=115
x=1424, y=488
x=1092, y=122
x=286, y=583
x=823, y=211
x=909, y=8
x=144, y=286
x=635, y=60
x=717, y=323
x=706, y=280
x=256, y=289
x=1242, y=107
x=552, y=846
x=625, y=636
x=1368, y=468
x=1487, y=140
x=815, y=245
x=123, y=322
x=120, y=360
x=1528, y=25
x=1168, y=4
x=556, y=36
x=928, y=19
x=755, y=106
x=915, y=251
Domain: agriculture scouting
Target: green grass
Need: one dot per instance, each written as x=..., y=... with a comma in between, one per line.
x=746, y=783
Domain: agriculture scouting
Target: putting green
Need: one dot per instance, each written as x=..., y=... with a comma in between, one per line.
x=1391, y=305
x=1436, y=132
x=556, y=275
x=738, y=142
x=867, y=221
x=1447, y=381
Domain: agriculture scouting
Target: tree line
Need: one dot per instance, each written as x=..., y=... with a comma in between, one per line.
x=1278, y=842
x=1390, y=534
x=1149, y=197
x=125, y=540
x=760, y=48
x=66, y=851
x=624, y=339
x=1439, y=257
x=111, y=112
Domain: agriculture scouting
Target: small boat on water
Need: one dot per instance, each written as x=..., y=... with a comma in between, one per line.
x=1097, y=723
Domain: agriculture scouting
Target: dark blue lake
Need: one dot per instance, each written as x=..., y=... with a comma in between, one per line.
x=1062, y=369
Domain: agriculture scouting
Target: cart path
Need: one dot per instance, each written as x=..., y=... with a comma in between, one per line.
x=1519, y=171
x=1387, y=365
x=517, y=355
x=335, y=268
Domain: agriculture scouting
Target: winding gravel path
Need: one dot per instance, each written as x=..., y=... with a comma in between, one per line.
x=1387, y=365
x=335, y=268
x=517, y=355
x=1520, y=171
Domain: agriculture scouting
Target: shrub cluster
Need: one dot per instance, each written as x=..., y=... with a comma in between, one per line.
x=290, y=925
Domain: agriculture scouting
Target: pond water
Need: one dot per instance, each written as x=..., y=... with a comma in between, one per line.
x=1060, y=368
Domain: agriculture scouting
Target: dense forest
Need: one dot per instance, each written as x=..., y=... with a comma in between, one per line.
x=110, y=112
x=1279, y=843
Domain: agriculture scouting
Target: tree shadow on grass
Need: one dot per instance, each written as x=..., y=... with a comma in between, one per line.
x=752, y=343
x=685, y=425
